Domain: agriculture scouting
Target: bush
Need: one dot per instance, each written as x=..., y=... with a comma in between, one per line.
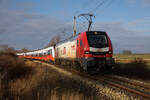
x=13, y=67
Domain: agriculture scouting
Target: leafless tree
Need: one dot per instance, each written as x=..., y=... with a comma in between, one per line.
x=54, y=40
x=7, y=49
x=127, y=52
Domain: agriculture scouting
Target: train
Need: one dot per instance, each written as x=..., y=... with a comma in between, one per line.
x=92, y=50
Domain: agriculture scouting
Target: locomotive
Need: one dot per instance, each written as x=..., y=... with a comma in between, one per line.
x=92, y=50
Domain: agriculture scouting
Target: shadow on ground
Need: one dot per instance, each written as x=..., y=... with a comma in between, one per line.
x=137, y=69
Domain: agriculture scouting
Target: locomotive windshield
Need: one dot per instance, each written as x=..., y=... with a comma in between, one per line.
x=97, y=40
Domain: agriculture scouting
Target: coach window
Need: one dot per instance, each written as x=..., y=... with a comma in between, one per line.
x=48, y=52
x=80, y=42
x=77, y=42
x=64, y=51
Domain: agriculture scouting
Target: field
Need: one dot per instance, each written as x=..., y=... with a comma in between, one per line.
x=132, y=56
x=133, y=65
x=26, y=80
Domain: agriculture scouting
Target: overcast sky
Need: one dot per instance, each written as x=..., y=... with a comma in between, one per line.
x=33, y=23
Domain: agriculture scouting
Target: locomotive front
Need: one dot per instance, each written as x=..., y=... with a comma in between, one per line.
x=94, y=50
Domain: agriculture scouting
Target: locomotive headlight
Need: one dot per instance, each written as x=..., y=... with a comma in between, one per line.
x=110, y=52
x=87, y=52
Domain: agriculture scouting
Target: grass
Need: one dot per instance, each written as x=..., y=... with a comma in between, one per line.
x=59, y=86
x=11, y=68
x=137, y=68
x=30, y=81
x=131, y=56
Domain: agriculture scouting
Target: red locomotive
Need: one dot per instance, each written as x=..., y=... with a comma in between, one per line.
x=92, y=49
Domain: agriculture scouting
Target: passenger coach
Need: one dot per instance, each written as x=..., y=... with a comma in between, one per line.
x=46, y=54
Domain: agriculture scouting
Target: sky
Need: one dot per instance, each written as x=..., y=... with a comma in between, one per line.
x=32, y=24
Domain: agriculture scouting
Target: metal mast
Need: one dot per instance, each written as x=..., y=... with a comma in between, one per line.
x=74, y=26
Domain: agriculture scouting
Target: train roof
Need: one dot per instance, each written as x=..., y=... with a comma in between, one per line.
x=74, y=37
x=36, y=51
x=68, y=39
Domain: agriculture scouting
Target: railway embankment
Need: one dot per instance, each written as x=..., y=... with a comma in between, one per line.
x=42, y=81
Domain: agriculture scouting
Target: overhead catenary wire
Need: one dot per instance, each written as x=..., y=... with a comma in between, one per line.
x=84, y=5
x=102, y=10
x=99, y=5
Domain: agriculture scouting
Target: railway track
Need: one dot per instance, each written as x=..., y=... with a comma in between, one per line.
x=131, y=87
x=130, y=82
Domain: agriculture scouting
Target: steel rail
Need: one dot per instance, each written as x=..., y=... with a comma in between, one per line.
x=127, y=81
x=125, y=88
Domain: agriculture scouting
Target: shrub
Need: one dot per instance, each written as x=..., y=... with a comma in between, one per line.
x=13, y=67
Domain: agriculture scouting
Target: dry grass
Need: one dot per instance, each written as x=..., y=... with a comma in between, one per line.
x=131, y=56
x=30, y=81
x=11, y=68
x=60, y=87
x=136, y=68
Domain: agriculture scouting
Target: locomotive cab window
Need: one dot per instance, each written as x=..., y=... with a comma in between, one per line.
x=97, y=40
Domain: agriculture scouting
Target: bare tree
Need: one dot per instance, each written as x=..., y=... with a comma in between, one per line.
x=127, y=52
x=57, y=39
x=24, y=50
x=54, y=40
x=7, y=49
